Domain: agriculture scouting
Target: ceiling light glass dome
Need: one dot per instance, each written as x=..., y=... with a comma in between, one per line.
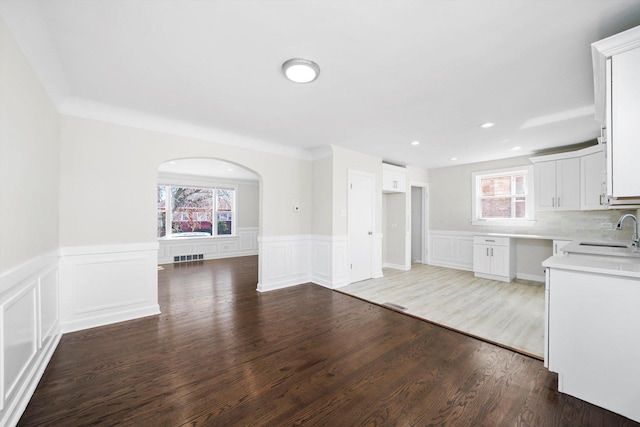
x=300, y=70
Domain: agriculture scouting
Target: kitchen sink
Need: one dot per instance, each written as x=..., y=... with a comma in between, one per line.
x=605, y=244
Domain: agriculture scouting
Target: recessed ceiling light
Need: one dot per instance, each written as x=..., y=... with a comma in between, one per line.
x=415, y=143
x=487, y=125
x=300, y=70
x=454, y=158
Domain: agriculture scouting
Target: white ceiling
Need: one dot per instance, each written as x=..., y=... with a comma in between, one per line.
x=391, y=71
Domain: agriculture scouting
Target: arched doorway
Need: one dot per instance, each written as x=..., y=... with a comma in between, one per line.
x=206, y=209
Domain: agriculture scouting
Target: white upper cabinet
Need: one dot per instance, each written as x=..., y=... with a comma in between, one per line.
x=625, y=124
x=570, y=181
x=616, y=62
x=593, y=172
x=557, y=184
x=394, y=179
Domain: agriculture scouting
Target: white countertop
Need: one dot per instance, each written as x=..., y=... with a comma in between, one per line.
x=524, y=236
x=599, y=265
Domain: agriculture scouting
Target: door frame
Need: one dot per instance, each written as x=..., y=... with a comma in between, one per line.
x=424, y=252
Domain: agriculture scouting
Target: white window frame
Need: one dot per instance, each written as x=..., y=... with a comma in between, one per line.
x=214, y=221
x=476, y=178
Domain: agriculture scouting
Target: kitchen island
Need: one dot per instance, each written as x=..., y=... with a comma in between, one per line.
x=592, y=326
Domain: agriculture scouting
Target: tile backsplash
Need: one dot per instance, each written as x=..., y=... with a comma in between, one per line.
x=598, y=225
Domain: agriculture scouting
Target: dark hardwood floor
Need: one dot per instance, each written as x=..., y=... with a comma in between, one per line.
x=222, y=353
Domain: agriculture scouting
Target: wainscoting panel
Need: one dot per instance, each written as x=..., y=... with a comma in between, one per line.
x=29, y=331
x=107, y=284
x=283, y=261
x=244, y=243
x=451, y=249
x=330, y=261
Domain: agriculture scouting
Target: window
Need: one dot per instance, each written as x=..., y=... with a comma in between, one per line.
x=190, y=211
x=502, y=197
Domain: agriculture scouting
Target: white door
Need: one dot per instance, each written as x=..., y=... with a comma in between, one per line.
x=361, y=206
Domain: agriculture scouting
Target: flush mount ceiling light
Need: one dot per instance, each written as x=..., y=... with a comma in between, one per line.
x=300, y=70
x=487, y=125
x=415, y=143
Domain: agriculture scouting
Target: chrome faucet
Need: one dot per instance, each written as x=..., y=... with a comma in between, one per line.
x=634, y=241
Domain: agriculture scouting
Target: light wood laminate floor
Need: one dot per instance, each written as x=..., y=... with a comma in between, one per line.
x=510, y=314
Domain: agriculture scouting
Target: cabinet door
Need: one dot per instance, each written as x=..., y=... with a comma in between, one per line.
x=394, y=181
x=593, y=174
x=625, y=126
x=499, y=256
x=545, y=185
x=568, y=184
x=481, y=259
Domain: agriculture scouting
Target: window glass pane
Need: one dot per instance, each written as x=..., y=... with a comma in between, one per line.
x=191, y=210
x=225, y=200
x=495, y=208
x=161, y=204
x=162, y=224
x=520, y=207
x=162, y=197
x=224, y=222
x=520, y=184
x=496, y=185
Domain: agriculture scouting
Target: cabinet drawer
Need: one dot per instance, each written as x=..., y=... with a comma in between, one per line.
x=494, y=241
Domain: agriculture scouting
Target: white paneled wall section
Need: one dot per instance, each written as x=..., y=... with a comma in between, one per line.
x=451, y=249
x=107, y=284
x=29, y=331
x=291, y=260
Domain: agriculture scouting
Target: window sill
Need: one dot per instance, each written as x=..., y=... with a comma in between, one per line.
x=208, y=237
x=505, y=222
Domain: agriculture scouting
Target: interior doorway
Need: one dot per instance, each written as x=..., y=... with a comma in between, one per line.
x=419, y=223
x=206, y=209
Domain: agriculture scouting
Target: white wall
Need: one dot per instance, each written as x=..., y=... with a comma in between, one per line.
x=323, y=194
x=29, y=286
x=29, y=168
x=248, y=205
x=95, y=150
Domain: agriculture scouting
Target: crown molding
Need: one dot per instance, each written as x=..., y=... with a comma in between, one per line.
x=93, y=110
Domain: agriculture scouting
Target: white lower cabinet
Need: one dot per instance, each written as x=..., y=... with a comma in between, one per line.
x=592, y=337
x=494, y=258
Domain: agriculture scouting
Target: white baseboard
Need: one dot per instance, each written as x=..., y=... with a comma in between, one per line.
x=108, y=319
x=454, y=265
x=532, y=277
x=396, y=266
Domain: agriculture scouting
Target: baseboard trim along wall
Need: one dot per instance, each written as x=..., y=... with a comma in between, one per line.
x=101, y=285
x=30, y=331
